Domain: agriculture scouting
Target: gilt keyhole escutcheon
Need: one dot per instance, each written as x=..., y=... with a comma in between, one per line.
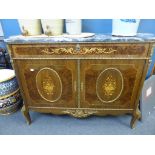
x=78, y=47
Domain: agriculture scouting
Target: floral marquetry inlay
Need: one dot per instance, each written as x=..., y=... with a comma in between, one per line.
x=109, y=86
x=48, y=85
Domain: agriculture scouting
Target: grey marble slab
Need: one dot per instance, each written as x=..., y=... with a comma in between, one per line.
x=1, y=38
x=108, y=38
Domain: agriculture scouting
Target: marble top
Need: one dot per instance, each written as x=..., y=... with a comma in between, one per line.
x=108, y=38
x=1, y=38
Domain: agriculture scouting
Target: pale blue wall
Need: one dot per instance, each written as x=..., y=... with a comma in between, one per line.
x=11, y=27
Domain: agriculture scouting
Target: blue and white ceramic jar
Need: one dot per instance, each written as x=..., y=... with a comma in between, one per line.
x=10, y=98
x=125, y=27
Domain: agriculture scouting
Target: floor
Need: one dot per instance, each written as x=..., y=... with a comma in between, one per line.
x=47, y=124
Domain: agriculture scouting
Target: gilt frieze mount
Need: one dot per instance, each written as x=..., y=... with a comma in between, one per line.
x=82, y=50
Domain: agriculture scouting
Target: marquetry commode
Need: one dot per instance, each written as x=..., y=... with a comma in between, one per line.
x=99, y=75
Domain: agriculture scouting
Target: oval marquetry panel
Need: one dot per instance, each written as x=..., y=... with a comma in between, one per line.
x=49, y=84
x=109, y=85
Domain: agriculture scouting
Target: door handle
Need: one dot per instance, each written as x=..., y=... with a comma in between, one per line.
x=81, y=86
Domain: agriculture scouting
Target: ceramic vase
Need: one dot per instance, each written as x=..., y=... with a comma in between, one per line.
x=10, y=97
x=125, y=27
x=73, y=26
x=30, y=27
x=52, y=27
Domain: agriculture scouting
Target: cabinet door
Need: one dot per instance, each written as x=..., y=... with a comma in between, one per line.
x=111, y=84
x=48, y=82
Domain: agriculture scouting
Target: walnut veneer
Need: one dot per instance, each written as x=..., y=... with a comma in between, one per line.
x=81, y=79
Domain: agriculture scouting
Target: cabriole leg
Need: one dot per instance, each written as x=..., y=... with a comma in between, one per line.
x=26, y=114
x=136, y=116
